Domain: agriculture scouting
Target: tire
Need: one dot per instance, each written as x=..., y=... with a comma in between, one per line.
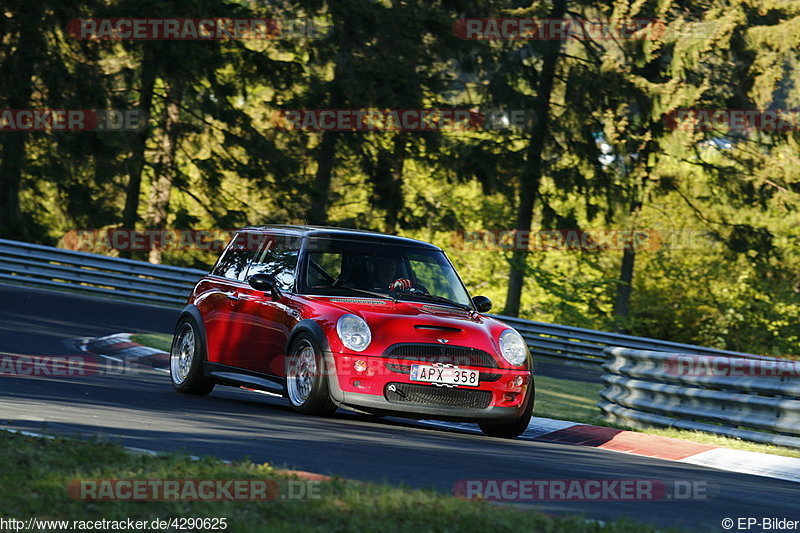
x=515, y=428
x=186, y=360
x=306, y=379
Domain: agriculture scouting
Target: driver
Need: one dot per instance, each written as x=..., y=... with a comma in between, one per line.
x=381, y=272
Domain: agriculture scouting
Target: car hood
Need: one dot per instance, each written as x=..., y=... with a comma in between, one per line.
x=420, y=322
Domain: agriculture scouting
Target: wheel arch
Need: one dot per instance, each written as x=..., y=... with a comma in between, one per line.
x=191, y=311
x=313, y=328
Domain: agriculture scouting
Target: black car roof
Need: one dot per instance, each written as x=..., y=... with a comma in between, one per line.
x=341, y=233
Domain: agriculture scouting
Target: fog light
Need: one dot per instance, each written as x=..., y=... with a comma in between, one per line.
x=510, y=396
x=357, y=383
x=518, y=381
x=360, y=365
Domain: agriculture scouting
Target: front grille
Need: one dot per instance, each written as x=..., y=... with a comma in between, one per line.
x=406, y=369
x=440, y=396
x=442, y=353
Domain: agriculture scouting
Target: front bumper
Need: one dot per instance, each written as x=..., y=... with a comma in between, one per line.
x=370, y=391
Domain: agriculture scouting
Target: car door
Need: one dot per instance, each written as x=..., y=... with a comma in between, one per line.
x=269, y=320
x=225, y=331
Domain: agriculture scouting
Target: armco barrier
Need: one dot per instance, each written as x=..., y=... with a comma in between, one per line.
x=649, y=388
x=587, y=345
x=45, y=266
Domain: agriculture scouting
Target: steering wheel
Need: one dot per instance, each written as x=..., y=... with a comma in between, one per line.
x=407, y=286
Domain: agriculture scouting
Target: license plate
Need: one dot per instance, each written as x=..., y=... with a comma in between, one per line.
x=445, y=374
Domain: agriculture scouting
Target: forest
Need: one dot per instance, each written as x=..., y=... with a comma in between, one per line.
x=624, y=165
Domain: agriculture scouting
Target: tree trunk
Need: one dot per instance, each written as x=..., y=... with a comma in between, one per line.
x=19, y=89
x=317, y=213
x=625, y=287
x=130, y=214
x=529, y=184
x=397, y=200
x=622, y=302
x=158, y=208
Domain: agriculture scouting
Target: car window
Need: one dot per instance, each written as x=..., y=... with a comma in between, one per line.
x=278, y=258
x=237, y=257
x=324, y=267
x=432, y=273
x=333, y=266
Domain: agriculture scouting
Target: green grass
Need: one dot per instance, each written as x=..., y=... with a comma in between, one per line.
x=575, y=401
x=159, y=341
x=37, y=471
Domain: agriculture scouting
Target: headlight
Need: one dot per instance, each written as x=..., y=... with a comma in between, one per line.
x=513, y=347
x=354, y=332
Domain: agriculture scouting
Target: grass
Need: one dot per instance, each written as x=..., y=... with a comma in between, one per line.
x=37, y=471
x=159, y=341
x=565, y=399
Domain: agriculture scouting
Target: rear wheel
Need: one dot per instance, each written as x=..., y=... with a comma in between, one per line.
x=186, y=361
x=306, y=379
x=514, y=428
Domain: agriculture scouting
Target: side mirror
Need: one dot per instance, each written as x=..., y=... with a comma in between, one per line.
x=482, y=304
x=265, y=283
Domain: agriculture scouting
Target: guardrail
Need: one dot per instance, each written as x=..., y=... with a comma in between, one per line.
x=760, y=402
x=587, y=345
x=45, y=266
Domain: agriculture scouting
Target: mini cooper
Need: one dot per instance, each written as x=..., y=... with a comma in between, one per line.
x=373, y=323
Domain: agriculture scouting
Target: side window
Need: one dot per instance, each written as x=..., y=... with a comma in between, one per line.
x=278, y=258
x=323, y=268
x=237, y=257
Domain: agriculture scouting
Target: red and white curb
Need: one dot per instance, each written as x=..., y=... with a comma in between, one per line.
x=671, y=449
x=120, y=347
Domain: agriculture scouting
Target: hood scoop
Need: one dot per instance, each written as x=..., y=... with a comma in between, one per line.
x=433, y=327
x=363, y=301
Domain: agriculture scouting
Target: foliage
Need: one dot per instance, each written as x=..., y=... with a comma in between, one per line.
x=212, y=155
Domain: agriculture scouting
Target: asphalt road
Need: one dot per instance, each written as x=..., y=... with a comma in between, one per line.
x=143, y=411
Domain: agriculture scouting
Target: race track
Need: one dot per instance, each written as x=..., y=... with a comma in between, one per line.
x=143, y=411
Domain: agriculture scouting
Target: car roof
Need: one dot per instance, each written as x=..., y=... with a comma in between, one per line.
x=340, y=233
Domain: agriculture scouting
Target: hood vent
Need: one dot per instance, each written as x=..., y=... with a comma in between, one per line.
x=432, y=327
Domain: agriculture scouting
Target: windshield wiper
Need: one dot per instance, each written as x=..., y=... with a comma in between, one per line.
x=435, y=298
x=368, y=293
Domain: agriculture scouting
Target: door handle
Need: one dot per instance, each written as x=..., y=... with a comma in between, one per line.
x=232, y=296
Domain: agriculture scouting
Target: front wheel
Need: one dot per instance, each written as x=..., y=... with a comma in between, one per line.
x=186, y=361
x=515, y=428
x=306, y=380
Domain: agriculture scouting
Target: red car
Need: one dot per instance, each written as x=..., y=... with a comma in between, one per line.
x=333, y=318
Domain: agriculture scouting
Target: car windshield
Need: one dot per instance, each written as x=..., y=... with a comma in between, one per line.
x=371, y=269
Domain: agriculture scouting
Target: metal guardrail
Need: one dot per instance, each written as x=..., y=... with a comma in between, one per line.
x=45, y=266
x=649, y=388
x=587, y=345
x=640, y=389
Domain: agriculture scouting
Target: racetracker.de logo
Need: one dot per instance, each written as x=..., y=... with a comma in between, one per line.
x=557, y=240
x=193, y=29
x=64, y=366
x=580, y=489
x=709, y=365
x=739, y=120
x=415, y=120
x=193, y=490
x=72, y=120
x=558, y=29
